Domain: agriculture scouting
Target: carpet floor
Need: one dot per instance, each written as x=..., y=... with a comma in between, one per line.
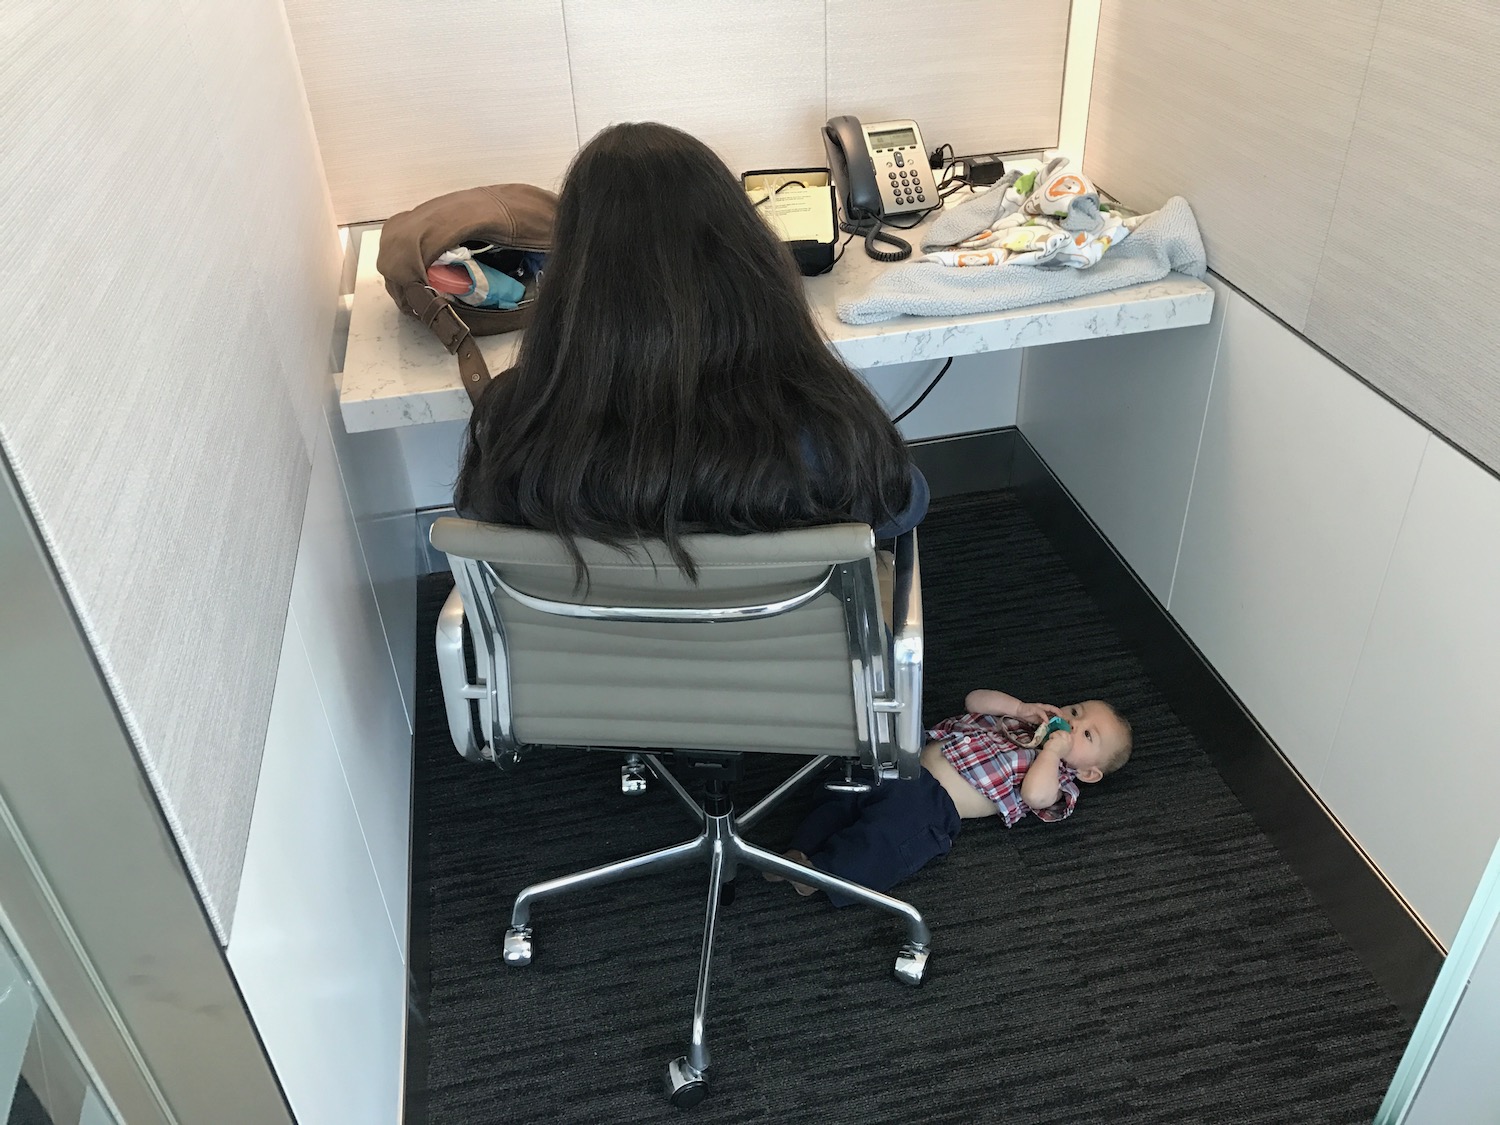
x=1150, y=959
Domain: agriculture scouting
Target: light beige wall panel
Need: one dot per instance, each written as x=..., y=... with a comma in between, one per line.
x=1078, y=78
x=281, y=225
x=144, y=398
x=414, y=100
x=746, y=78
x=1416, y=762
x=1118, y=421
x=1243, y=109
x=1302, y=479
x=942, y=68
x=1410, y=281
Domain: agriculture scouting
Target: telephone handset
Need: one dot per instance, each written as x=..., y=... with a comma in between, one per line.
x=879, y=171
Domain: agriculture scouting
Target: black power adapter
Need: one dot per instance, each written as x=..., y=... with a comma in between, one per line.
x=982, y=170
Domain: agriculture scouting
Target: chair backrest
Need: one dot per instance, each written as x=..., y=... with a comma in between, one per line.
x=779, y=645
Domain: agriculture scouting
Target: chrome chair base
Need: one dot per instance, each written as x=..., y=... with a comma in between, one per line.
x=720, y=843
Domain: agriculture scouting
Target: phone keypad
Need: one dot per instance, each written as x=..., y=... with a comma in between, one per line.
x=904, y=176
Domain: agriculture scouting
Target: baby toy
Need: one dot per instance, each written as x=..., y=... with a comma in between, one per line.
x=1049, y=728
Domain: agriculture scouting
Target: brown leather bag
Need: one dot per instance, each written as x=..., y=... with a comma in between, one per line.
x=511, y=216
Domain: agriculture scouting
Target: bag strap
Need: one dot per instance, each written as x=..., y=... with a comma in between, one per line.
x=453, y=334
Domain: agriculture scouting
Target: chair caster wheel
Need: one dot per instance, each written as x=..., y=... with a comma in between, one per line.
x=633, y=779
x=686, y=1087
x=517, y=950
x=911, y=963
x=726, y=893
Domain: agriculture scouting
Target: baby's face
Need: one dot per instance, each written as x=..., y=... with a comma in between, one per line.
x=1098, y=735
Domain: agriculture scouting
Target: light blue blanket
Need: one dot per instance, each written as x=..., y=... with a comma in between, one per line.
x=1166, y=240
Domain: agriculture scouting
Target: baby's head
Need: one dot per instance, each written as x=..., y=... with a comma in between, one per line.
x=1101, y=739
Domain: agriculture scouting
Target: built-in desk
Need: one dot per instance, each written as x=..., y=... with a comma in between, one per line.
x=396, y=374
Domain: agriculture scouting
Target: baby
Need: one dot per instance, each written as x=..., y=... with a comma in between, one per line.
x=983, y=763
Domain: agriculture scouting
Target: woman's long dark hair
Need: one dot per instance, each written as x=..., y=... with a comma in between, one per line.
x=672, y=379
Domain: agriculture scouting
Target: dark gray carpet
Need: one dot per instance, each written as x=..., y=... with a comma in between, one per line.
x=1151, y=959
x=25, y=1107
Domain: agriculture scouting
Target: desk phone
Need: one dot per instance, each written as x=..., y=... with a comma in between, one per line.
x=881, y=169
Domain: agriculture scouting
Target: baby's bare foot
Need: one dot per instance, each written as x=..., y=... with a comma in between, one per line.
x=792, y=854
x=796, y=857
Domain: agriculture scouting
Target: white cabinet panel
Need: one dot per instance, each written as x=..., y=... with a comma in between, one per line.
x=389, y=544
x=414, y=100
x=335, y=607
x=312, y=949
x=1118, y=421
x=1302, y=479
x=379, y=495
x=1416, y=763
x=431, y=454
x=942, y=71
x=748, y=79
x=978, y=393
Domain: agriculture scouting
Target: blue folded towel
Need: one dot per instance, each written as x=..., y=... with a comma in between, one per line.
x=1164, y=241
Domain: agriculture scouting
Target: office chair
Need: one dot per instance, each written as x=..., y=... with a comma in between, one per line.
x=779, y=647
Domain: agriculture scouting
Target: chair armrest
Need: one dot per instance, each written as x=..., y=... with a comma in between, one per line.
x=906, y=656
x=457, y=691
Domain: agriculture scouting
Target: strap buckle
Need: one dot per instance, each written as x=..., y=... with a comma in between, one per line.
x=453, y=333
x=451, y=330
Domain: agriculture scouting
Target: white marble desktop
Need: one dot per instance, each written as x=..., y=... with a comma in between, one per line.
x=397, y=374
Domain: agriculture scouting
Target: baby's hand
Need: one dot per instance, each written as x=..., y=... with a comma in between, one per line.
x=1060, y=742
x=1036, y=713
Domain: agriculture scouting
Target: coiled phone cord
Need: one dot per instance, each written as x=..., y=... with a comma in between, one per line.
x=874, y=230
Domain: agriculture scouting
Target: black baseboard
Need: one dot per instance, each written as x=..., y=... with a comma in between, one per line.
x=980, y=462
x=418, y=940
x=1373, y=919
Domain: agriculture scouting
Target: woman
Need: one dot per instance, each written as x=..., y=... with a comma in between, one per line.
x=671, y=379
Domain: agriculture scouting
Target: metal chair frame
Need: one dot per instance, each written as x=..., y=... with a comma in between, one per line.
x=886, y=676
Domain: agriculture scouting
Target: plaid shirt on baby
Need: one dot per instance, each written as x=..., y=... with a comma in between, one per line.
x=987, y=751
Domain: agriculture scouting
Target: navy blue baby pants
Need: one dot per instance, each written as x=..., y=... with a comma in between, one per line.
x=880, y=837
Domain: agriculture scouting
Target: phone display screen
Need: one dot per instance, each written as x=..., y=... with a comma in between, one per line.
x=895, y=138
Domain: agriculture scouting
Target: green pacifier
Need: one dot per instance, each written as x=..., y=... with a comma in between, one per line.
x=1051, y=727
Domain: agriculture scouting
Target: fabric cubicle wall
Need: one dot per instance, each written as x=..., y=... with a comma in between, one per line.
x=1335, y=152
x=163, y=365
x=414, y=100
